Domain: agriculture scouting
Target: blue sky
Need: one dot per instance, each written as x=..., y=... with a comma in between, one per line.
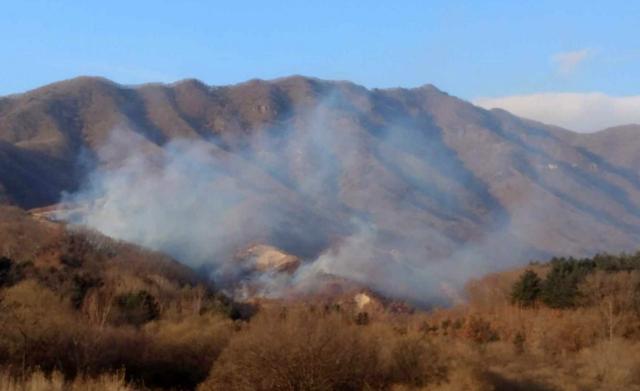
x=471, y=49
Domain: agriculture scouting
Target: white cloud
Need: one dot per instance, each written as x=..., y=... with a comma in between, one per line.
x=567, y=62
x=582, y=112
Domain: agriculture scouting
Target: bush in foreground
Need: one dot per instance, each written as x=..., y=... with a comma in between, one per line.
x=296, y=350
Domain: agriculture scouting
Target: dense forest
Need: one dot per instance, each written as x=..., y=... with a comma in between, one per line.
x=83, y=312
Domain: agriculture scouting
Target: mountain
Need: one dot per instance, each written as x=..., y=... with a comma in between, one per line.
x=436, y=175
x=619, y=144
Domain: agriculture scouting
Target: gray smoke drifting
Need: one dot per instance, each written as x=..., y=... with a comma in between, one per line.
x=348, y=202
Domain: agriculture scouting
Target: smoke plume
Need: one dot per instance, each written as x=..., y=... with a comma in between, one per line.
x=351, y=203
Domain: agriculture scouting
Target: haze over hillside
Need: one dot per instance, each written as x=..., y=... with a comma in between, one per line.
x=403, y=189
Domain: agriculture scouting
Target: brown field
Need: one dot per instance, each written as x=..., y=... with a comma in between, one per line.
x=83, y=312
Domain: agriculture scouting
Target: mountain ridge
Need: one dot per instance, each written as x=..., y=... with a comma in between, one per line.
x=103, y=81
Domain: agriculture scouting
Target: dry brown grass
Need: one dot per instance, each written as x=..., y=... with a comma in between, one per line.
x=38, y=381
x=61, y=319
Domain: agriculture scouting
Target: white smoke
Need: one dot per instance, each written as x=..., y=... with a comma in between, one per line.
x=305, y=188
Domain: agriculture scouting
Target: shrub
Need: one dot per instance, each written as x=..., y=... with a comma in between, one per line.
x=36, y=326
x=613, y=364
x=478, y=330
x=136, y=308
x=362, y=318
x=415, y=363
x=5, y=269
x=10, y=272
x=519, y=343
x=180, y=354
x=468, y=377
x=301, y=350
x=82, y=283
x=526, y=290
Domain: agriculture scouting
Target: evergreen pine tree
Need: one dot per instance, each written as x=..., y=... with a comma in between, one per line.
x=526, y=290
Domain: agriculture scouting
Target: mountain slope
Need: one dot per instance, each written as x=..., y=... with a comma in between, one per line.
x=436, y=176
